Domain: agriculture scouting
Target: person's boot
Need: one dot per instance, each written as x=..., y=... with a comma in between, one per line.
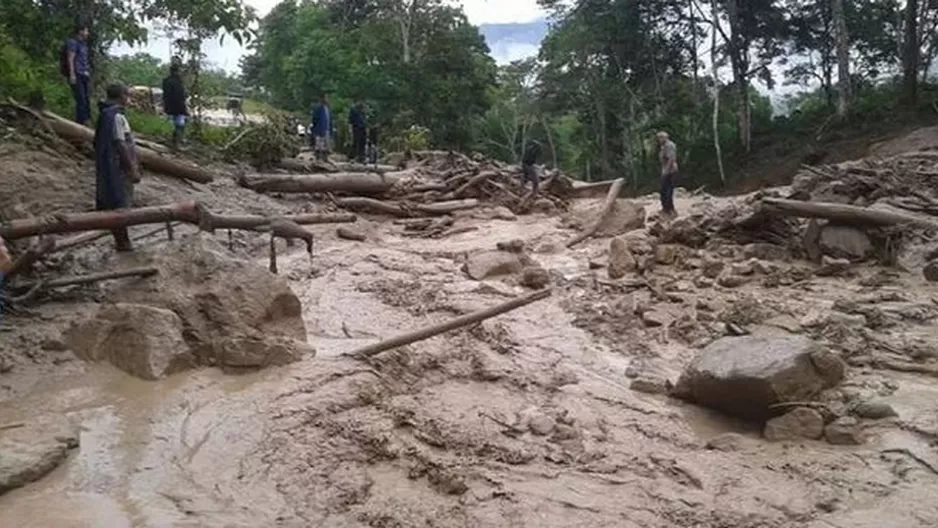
x=122, y=241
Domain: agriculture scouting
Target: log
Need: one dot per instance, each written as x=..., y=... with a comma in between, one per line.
x=583, y=189
x=347, y=182
x=307, y=166
x=149, y=159
x=611, y=198
x=452, y=324
x=35, y=287
x=350, y=234
x=476, y=180
x=405, y=209
x=188, y=212
x=843, y=214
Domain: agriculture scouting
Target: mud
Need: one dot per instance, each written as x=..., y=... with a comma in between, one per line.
x=524, y=420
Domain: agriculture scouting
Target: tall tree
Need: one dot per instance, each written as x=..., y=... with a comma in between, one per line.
x=843, y=57
x=911, y=52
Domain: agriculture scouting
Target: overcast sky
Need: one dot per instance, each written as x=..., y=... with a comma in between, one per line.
x=478, y=11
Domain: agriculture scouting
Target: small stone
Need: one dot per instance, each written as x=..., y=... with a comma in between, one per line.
x=728, y=280
x=513, y=246
x=742, y=268
x=831, y=266
x=765, y=251
x=535, y=277
x=712, y=268
x=651, y=385
x=54, y=345
x=844, y=431
x=655, y=318
x=703, y=282
x=762, y=267
x=348, y=233
x=564, y=433
x=540, y=424
x=621, y=260
x=797, y=424
x=666, y=254
x=829, y=366
x=874, y=410
x=491, y=263
x=931, y=271
x=726, y=442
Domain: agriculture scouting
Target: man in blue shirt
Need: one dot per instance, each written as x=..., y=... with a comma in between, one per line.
x=322, y=128
x=78, y=70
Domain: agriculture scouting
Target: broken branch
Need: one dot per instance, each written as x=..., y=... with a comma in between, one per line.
x=611, y=198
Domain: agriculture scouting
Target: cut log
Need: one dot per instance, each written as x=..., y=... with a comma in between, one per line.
x=611, y=198
x=842, y=214
x=189, y=212
x=459, y=322
x=150, y=159
x=404, y=209
x=361, y=183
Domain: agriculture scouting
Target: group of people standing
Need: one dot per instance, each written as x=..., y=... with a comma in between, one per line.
x=364, y=138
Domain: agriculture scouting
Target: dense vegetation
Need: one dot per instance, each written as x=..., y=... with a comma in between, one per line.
x=609, y=73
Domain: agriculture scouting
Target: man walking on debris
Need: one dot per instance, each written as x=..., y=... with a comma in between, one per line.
x=667, y=155
x=359, y=128
x=174, y=103
x=322, y=128
x=115, y=160
x=530, y=156
x=76, y=67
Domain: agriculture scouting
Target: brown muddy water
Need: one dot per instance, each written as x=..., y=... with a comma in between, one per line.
x=430, y=436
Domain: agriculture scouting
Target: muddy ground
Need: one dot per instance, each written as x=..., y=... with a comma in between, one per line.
x=524, y=420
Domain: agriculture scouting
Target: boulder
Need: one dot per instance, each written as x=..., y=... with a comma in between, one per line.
x=847, y=242
x=27, y=460
x=513, y=246
x=625, y=216
x=539, y=423
x=765, y=251
x=621, y=261
x=797, y=424
x=650, y=384
x=486, y=264
x=844, y=431
x=745, y=376
x=253, y=352
x=666, y=254
x=931, y=271
x=831, y=267
x=729, y=280
x=144, y=341
x=726, y=442
x=874, y=410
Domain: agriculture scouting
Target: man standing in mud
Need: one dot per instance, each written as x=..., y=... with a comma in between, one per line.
x=174, y=103
x=322, y=128
x=115, y=160
x=532, y=151
x=358, y=124
x=667, y=155
x=76, y=67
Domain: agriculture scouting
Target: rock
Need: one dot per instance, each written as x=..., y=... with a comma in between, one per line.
x=54, y=345
x=621, y=261
x=874, y=410
x=503, y=213
x=745, y=376
x=540, y=424
x=217, y=295
x=650, y=384
x=726, y=442
x=742, y=268
x=639, y=242
x=931, y=271
x=486, y=264
x=666, y=254
x=847, y=242
x=252, y=352
x=625, y=216
x=831, y=267
x=348, y=233
x=535, y=277
x=656, y=318
x=762, y=267
x=447, y=482
x=25, y=461
x=703, y=282
x=712, y=268
x=512, y=246
x=141, y=340
x=797, y=424
x=728, y=280
x=564, y=433
x=844, y=431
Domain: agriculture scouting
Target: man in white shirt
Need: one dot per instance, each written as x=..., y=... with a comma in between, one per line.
x=667, y=155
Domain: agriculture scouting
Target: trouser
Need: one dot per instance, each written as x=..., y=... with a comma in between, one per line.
x=529, y=173
x=359, y=138
x=667, y=192
x=120, y=234
x=82, y=99
x=179, y=129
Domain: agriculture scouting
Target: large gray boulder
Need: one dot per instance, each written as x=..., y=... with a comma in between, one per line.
x=746, y=376
x=486, y=264
x=846, y=242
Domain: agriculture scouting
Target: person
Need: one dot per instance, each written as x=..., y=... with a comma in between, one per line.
x=667, y=155
x=77, y=68
x=530, y=156
x=6, y=263
x=359, y=125
x=372, y=147
x=115, y=160
x=322, y=128
x=174, y=103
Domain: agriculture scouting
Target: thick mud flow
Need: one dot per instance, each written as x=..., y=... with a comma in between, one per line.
x=524, y=420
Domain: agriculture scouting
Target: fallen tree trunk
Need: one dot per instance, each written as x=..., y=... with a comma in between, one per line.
x=590, y=189
x=611, y=198
x=476, y=180
x=841, y=213
x=349, y=182
x=404, y=209
x=188, y=212
x=459, y=322
x=307, y=166
x=150, y=159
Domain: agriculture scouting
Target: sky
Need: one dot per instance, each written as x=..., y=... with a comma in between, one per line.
x=479, y=12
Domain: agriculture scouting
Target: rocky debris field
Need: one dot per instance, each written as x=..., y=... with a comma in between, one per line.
x=734, y=367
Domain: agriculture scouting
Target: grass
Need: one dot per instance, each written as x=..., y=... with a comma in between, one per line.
x=159, y=126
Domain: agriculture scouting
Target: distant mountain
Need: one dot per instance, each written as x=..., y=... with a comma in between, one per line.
x=514, y=41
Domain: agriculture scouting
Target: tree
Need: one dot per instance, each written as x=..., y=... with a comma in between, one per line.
x=843, y=57
x=911, y=53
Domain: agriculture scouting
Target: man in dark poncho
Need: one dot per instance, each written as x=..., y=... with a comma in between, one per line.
x=358, y=123
x=529, y=158
x=174, y=103
x=115, y=159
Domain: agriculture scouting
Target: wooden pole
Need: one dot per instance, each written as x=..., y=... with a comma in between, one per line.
x=452, y=324
x=611, y=198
